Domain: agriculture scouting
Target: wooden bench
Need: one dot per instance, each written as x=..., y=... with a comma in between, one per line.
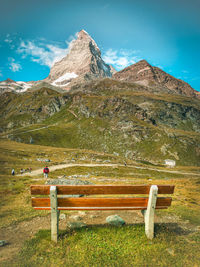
x=56, y=202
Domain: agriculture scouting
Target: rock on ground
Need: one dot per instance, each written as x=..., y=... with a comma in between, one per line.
x=76, y=225
x=3, y=243
x=115, y=220
x=62, y=216
x=76, y=217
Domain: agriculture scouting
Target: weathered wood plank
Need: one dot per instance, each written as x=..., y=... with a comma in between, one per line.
x=93, y=208
x=100, y=189
x=101, y=202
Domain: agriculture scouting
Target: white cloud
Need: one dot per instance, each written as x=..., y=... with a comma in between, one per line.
x=13, y=65
x=120, y=59
x=8, y=39
x=1, y=74
x=44, y=53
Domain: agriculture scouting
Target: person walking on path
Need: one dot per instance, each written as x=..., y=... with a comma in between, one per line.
x=46, y=171
x=13, y=172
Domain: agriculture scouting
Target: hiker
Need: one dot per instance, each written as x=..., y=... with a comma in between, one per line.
x=21, y=171
x=125, y=163
x=46, y=171
x=13, y=172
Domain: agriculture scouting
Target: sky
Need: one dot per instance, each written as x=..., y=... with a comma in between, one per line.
x=34, y=34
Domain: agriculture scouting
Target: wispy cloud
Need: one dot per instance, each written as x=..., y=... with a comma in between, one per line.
x=1, y=74
x=13, y=65
x=122, y=58
x=185, y=71
x=9, y=41
x=43, y=52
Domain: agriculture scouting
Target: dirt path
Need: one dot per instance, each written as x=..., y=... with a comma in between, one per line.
x=69, y=165
x=33, y=130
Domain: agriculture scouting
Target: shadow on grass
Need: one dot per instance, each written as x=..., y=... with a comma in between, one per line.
x=171, y=229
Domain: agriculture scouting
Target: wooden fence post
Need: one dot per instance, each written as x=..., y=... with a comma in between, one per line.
x=149, y=212
x=54, y=214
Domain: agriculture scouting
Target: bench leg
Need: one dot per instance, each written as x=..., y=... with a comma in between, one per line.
x=54, y=214
x=149, y=212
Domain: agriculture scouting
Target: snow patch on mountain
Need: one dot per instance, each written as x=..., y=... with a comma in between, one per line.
x=66, y=77
x=18, y=87
x=25, y=85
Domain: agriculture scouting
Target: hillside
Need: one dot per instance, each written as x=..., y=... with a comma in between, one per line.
x=107, y=116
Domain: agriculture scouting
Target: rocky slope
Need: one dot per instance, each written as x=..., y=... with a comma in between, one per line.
x=19, y=110
x=82, y=63
x=154, y=78
x=107, y=116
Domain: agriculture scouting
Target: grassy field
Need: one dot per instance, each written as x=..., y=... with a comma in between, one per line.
x=177, y=238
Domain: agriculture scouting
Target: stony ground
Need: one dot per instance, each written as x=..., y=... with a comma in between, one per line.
x=16, y=235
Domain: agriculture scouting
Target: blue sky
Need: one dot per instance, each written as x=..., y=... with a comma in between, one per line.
x=36, y=33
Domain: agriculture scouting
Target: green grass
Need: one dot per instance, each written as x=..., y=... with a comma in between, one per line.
x=113, y=246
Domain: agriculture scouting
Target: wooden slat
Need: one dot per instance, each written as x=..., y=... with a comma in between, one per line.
x=138, y=202
x=97, y=208
x=100, y=189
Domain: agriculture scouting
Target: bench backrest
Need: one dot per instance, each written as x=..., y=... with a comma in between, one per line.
x=107, y=203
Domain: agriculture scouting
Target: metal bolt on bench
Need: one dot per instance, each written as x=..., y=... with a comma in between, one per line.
x=146, y=204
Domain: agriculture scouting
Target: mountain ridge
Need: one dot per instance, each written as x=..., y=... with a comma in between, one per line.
x=145, y=74
x=83, y=63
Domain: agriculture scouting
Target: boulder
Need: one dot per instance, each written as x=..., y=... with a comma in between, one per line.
x=62, y=216
x=115, y=220
x=76, y=217
x=3, y=243
x=76, y=225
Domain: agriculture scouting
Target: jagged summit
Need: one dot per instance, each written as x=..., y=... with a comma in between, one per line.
x=83, y=62
x=83, y=35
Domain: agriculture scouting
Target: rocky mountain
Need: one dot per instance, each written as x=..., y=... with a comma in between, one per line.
x=140, y=113
x=82, y=63
x=11, y=85
x=155, y=78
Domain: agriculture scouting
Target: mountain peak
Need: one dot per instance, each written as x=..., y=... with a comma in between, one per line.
x=83, y=34
x=144, y=62
x=82, y=63
x=154, y=78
